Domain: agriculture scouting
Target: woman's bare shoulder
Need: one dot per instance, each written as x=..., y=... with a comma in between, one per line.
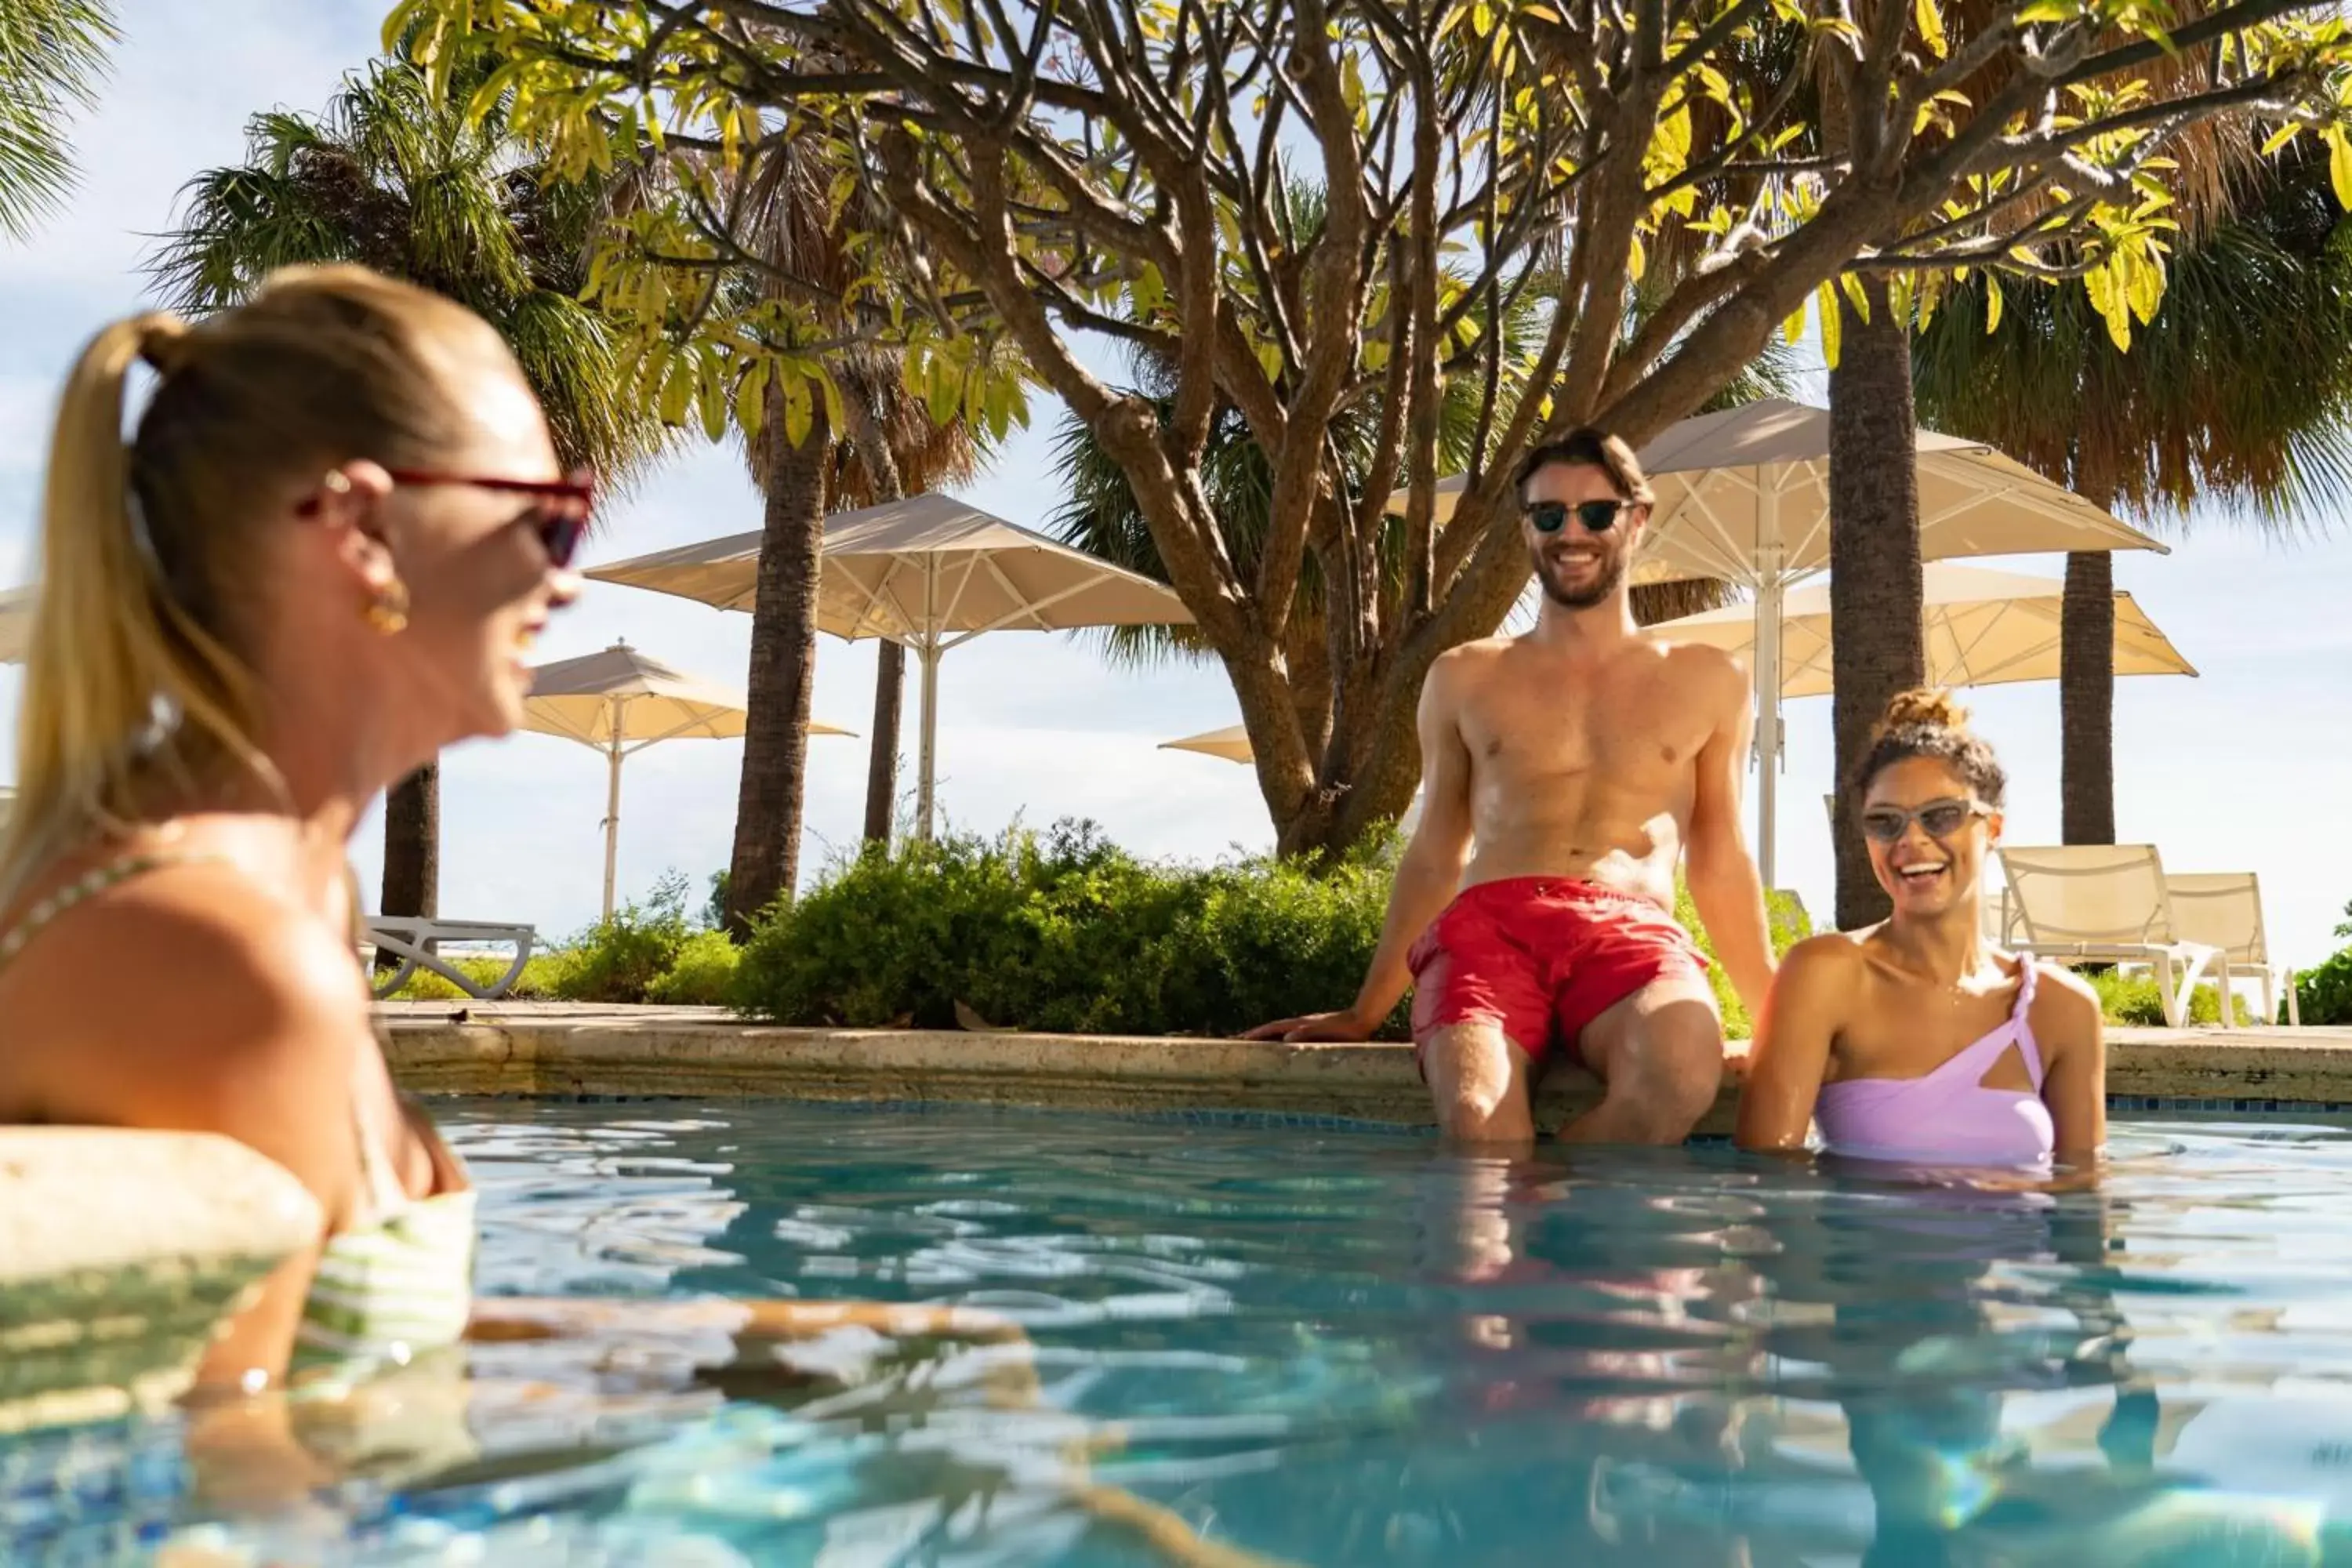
x=2063, y=1002
x=1831, y=957
x=171, y=995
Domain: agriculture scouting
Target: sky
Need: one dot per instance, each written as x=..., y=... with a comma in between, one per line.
x=2248, y=767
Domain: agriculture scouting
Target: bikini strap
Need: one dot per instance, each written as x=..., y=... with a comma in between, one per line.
x=52, y=907
x=2022, y=1027
x=385, y=1194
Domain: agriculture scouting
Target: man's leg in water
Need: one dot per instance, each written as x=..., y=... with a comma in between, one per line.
x=1479, y=1081
x=1659, y=1054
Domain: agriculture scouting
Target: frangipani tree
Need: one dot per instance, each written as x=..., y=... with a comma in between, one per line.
x=1078, y=170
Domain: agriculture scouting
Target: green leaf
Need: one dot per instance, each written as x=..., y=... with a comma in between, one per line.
x=678, y=390
x=799, y=410
x=1852, y=284
x=1147, y=292
x=751, y=398
x=1826, y=307
x=835, y=418
x=1992, y=303
x=2339, y=165
x=711, y=395
x=2280, y=137
x=1931, y=27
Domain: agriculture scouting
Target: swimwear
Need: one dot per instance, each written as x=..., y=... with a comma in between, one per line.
x=1542, y=957
x=386, y=1290
x=1949, y=1114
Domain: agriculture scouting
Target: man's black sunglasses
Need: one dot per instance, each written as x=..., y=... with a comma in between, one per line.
x=1551, y=516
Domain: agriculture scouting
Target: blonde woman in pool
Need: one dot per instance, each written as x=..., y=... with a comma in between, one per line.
x=321, y=559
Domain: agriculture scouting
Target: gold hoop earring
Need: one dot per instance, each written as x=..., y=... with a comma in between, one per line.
x=388, y=611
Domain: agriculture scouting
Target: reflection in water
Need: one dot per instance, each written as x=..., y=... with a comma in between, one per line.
x=1326, y=1348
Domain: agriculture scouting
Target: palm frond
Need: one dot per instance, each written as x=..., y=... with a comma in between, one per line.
x=53, y=54
x=2238, y=390
x=395, y=177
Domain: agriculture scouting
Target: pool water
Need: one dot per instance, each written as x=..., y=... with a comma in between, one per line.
x=1258, y=1343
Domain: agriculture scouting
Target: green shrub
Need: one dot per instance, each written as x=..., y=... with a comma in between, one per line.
x=2133, y=1000
x=542, y=978
x=1064, y=932
x=620, y=960
x=702, y=975
x=1790, y=925
x=2324, y=994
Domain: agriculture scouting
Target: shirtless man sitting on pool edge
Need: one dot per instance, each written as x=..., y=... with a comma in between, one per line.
x=1584, y=758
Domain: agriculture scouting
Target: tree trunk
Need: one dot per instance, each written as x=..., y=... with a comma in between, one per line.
x=882, y=766
x=1877, y=648
x=2086, y=700
x=412, y=849
x=769, y=800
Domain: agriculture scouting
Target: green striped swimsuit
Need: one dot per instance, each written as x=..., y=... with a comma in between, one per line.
x=385, y=1291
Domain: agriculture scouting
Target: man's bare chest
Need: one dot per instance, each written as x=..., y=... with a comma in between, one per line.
x=1644, y=726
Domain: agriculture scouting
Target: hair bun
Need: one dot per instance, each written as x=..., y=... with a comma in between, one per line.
x=1924, y=707
x=163, y=341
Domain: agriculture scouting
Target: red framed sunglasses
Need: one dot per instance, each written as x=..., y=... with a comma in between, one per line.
x=565, y=505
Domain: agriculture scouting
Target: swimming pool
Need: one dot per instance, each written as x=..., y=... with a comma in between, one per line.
x=1307, y=1344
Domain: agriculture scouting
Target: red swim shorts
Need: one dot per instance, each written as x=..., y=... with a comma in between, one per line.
x=1543, y=956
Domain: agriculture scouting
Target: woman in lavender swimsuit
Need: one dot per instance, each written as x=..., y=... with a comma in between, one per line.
x=1915, y=1040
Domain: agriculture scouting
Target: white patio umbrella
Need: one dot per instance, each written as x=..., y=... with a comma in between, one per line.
x=17, y=621
x=620, y=701
x=1233, y=745
x=929, y=572
x=1983, y=628
x=1743, y=496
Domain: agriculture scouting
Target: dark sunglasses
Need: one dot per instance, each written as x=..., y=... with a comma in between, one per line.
x=1942, y=818
x=1551, y=516
x=565, y=505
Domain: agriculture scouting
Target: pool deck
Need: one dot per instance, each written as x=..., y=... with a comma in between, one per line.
x=558, y=1050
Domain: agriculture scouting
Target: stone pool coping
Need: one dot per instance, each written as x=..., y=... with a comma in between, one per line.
x=551, y=1050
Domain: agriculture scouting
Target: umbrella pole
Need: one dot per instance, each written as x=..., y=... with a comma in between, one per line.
x=613, y=809
x=1767, y=695
x=926, y=770
x=928, y=651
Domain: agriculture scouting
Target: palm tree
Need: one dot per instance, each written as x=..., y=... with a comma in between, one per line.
x=889, y=443
x=1876, y=584
x=52, y=54
x=397, y=177
x=1876, y=590
x=2240, y=389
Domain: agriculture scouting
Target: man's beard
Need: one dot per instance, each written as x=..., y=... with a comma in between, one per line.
x=1603, y=583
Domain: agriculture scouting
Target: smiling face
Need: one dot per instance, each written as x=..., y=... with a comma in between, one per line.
x=1934, y=863
x=481, y=584
x=1577, y=566
x=468, y=565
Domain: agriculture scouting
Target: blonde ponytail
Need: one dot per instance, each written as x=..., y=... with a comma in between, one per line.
x=133, y=684
x=102, y=652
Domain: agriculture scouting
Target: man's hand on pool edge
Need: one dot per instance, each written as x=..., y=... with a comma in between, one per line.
x=1340, y=1027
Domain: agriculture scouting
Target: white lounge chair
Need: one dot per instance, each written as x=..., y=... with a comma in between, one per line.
x=2224, y=909
x=2102, y=903
x=412, y=940
x=1993, y=902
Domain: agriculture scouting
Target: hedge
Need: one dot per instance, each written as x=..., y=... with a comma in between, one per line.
x=1063, y=933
